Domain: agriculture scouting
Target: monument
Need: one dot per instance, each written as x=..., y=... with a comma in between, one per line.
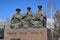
x=28, y=26
x=29, y=20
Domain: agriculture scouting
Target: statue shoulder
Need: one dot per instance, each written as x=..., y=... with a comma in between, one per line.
x=43, y=13
x=33, y=13
x=30, y=14
x=18, y=15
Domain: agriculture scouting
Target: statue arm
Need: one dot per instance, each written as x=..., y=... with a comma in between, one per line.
x=45, y=19
x=44, y=15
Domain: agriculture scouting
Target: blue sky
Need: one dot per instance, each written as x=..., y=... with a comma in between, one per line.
x=7, y=7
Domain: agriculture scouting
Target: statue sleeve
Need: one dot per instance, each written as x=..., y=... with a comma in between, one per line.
x=44, y=13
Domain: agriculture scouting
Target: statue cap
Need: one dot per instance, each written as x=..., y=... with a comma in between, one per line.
x=28, y=7
x=18, y=9
x=39, y=6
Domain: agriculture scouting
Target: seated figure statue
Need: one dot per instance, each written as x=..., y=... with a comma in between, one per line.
x=16, y=20
x=29, y=16
x=41, y=17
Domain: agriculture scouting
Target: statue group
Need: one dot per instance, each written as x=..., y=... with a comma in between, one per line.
x=28, y=20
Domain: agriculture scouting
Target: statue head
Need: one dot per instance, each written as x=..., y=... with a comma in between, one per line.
x=18, y=10
x=39, y=7
x=29, y=8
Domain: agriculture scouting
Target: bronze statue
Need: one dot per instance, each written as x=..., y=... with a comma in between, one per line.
x=41, y=16
x=16, y=20
x=29, y=20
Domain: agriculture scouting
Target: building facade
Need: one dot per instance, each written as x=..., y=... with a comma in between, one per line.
x=57, y=24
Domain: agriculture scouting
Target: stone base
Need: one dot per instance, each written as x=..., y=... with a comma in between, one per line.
x=28, y=34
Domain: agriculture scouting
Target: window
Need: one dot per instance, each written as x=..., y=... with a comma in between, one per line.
x=15, y=39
